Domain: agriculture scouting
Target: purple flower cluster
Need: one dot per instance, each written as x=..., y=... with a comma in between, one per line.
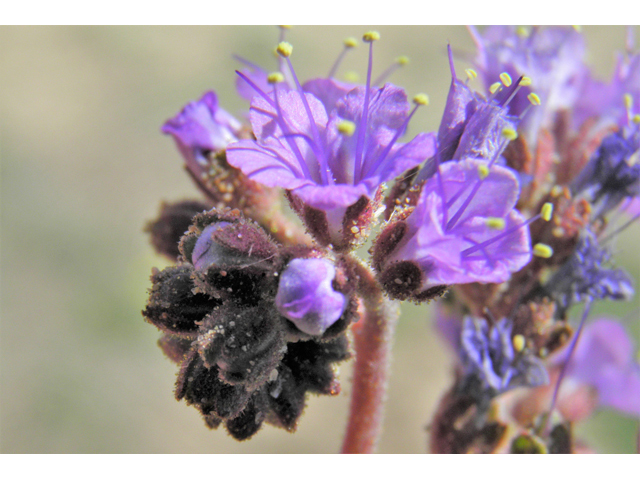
x=506, y=209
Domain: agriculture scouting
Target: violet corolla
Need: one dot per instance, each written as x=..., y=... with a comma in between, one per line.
x=330, y=154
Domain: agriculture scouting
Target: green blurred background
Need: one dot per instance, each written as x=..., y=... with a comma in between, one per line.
x=84, y=167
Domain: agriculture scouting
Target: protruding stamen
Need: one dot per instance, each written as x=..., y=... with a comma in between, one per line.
x=496, y=223
x=275, y=77
x=577, y=28
x=495, y=87
x=509, y=133
x=285, y=27
x=371, y=36
x=505, y=78
x=542, y=250
x=351, y=77
x=421, y=99
x=368, y=37
x=547, y=211
x=346, y=128
x=471, y=74
x=636, y=118
x=483, y=171
x=401, y=61
x=284, y=49
x=522, y=32
x=628, y=101
x=349, y=43
x=534, y=99
x=526, y=81
x=519, y=342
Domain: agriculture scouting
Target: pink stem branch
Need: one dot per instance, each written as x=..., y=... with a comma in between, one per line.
x=373, y=338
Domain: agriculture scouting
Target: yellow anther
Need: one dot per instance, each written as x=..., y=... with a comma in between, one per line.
x=471, y=74
x=495, y=87
x=522, y=32
x=526, y=81
x=350, y=42
x=556, y=191
x=421, y=99
x=577, y=28
x=628, y=101
x=547, y=211
x=509, y=133
x=519, y=343
x=371, y=36
x=534, y=99
x=402, y=60
x=351, y=77
x=496, y=223
x=284, y=49
x=483, y=171
x=636, y=118
x=285, y=27
x=542, y=250
x=505, y=78
x=346, y=128
x=275, y=77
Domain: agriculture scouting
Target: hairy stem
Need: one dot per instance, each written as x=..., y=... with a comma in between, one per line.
x=373, y=338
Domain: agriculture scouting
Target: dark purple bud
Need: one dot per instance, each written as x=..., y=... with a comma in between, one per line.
x=171, y=224
x=306, y=295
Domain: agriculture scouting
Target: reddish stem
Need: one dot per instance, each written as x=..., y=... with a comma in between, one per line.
x=373, y=352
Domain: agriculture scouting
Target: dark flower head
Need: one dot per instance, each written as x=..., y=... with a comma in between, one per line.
x=465, y=228
x=330, y=147
x=552, y=57
x=490, y=362
x=585, y=276
x=200, y=128
x=604, y=359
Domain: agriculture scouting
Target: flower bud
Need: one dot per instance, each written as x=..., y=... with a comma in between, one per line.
x=306, y=295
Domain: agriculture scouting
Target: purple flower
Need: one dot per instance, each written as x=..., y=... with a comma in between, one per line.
x=202, y=127
x=585, y=276
x=551, y=57
x=329, y=147
x=605, y=101
x=488, y=358
x=306, y=295
x=465, y=227
x=612, y=174
x=604, y=359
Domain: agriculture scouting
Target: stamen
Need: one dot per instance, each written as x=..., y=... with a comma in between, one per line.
x=346, y=128
x=475, y=248
x=556, y=191
x=547, y=211
x=284, y=49
x=495, y=87
x=368, y=37
x=534, y=99
x=483, y=171
x=542, y=250
x=496, y=223
x=421, y=99
x=471, y=74
x=526, y=81
x=349, y=43
x=518, y=342
x=522, y=32
x=636, y=118
x=509, y=133
x=577, y=28
x=401, y=61
x=351, y=77
x=505, y=78
x=275, y=77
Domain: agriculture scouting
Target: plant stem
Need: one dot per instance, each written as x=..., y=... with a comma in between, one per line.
x=373, y=338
